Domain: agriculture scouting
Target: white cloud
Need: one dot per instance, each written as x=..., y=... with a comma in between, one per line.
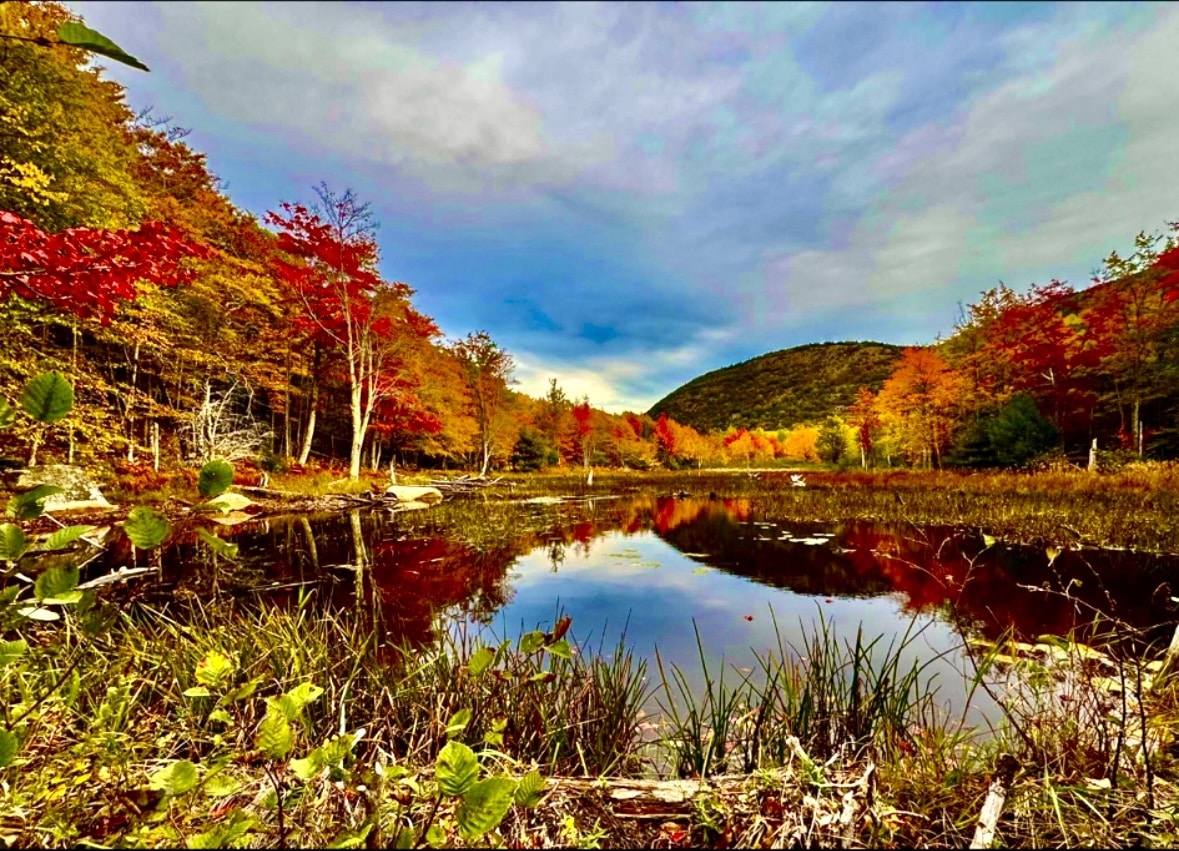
x=995, y=196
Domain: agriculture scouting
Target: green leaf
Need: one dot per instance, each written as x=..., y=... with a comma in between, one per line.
x=30, y=504
x=175, y=779
x=10, y=651
x=197, y=691
x=216, y=669
x=309, y=766
x=484, y=805
x=530, y=789
x=224, y=835
x=8, y=748
x=561, y=648
x=435, y=836
x=217, y=545
x=456, y=769
x=62, y=538
x=145, y=527
x=7, y=413
x=216, y=477
x=480, y=661
x=530, y=642
x=458, y=722
x=352, y=838
x=241, y=692
x=48, y=397
x=275, y=736
x=56, y=583
x=338, y=749
x=80, y=35
x=12, y=542
x=303, y=694
x=222, y=716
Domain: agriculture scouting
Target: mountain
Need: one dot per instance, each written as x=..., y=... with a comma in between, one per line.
x=780, y=389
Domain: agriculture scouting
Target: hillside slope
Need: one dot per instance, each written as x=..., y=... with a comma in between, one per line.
x=779, y=389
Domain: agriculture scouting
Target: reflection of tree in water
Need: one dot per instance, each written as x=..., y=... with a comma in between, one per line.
x=934, y=570
x=456, y=560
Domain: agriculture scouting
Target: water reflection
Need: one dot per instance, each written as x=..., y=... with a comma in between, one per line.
x=662, y=564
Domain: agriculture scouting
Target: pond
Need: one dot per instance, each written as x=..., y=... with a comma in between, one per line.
x=662, y=572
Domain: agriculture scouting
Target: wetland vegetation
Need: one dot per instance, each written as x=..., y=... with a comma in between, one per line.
x=831, y=669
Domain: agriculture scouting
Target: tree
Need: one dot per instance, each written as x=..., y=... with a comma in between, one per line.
x=832, y=446
x=88, y=271
x=487, y=370
x=553, y=416
x=920, y=402
x=532, y=451
x=350, y=308
x=1134, y=305
x=1008, y=436
x=62, y=161
x=864, y=418
x=583, y=430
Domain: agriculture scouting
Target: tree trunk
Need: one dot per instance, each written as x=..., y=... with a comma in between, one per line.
x=312, y=404
x=286, y=415
x=486, y=457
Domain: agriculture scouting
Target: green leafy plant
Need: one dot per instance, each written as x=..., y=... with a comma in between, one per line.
x=215, y=478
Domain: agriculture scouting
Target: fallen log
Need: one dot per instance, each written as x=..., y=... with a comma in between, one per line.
x=992, y=808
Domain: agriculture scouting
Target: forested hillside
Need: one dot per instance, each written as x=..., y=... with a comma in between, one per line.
x=780, y=389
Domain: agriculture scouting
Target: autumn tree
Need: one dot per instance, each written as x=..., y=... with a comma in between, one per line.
x=583, y=430
x=865, y=420
x=920, y=402
x=1133, y=305
x=487, y=371
x=363, y=318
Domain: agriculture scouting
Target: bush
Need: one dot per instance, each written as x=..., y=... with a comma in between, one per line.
x=1011, y=436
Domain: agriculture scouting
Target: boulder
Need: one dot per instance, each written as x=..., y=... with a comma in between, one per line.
x=408, y=493
x=78, y=490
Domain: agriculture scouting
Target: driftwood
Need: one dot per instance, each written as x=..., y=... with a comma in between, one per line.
x=653, y=799
x=988, y=818
x=464, y=484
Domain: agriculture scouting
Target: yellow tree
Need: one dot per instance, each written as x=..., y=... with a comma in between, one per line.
x=920, y=404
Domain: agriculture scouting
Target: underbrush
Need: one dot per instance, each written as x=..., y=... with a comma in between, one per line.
x=217, y=724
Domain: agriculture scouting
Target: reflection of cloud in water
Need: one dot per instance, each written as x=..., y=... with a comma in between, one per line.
x=608, y=588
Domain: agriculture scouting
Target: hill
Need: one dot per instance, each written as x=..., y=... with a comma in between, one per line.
x=780, y=389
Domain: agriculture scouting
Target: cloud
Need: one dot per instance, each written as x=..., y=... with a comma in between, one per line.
x=628, y=195
x=336, y=77
x=1042, y=175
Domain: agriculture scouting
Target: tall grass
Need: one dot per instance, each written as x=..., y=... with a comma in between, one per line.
x=825, y=698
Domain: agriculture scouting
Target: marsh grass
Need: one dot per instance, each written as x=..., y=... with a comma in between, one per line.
x=826, y=698
x=1133, y=507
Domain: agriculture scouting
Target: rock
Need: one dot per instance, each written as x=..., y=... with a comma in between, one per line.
x=407, y=493
x=78, y=490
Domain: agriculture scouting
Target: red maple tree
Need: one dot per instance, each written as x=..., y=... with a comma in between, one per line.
x=89, y=271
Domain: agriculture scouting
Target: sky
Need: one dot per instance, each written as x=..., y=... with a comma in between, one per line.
x=626, y=196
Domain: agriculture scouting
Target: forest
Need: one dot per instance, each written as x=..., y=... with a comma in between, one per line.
x=190, y=329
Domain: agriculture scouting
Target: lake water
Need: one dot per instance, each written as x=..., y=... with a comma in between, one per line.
x=657, y=570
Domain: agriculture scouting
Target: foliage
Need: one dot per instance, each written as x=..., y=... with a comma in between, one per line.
x=533, y=451
x=86, y=271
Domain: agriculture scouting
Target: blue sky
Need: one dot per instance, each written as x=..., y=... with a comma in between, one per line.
x=626, y=195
